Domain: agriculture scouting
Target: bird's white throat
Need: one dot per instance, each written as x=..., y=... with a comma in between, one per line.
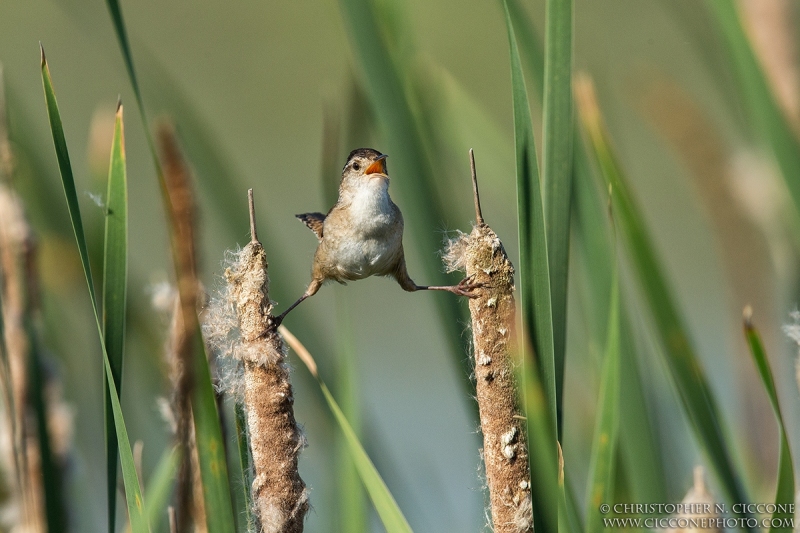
x=370, y=205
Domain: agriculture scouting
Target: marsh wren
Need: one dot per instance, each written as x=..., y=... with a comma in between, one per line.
x=362, y=234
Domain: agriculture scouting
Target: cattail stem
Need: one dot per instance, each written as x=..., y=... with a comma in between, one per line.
x=279, y=495
x=505, y=449
x=182, y=215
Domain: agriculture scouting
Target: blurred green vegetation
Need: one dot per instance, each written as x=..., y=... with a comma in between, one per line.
x=249, y=86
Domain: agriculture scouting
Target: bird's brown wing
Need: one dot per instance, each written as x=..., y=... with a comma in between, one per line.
x=314, y=222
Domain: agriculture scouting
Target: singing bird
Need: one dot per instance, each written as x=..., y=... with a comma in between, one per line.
x=362, y=234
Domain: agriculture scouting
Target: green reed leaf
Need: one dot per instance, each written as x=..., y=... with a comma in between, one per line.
x=641, y=455
x=210, y=446
x=683, y=365
x=389, y=512
x=557, y=171
x=534, y=270
x=784, y=486
x=115, y=290
x=159, y=486
x=133, y=491
x=604, y=446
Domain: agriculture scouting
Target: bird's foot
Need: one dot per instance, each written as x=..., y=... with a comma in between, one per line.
x=273, y=322
x=466, y=287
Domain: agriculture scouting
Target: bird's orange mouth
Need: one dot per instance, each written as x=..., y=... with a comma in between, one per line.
x=377, y=167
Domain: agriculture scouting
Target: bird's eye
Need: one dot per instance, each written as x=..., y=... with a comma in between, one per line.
x=356, y=166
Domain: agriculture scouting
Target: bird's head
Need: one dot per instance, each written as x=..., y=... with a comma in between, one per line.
x=364, y=164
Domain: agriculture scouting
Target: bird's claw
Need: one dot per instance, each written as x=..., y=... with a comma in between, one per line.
x=273, y=322
x=466, y=287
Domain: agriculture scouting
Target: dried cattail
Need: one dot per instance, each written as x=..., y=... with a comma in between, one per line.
x=505, y=450
x=166, y=300
x=279, y=496
x=23, y=430
x=184, y=326
x=768, y=24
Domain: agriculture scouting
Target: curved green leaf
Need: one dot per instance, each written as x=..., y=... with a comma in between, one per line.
x=243, y=443
x=115, y=289
x=210, y=446
x=543, y=451
x=557, y=172
x=390, y=514
x=385, y=504
x=601, y=470
x=683, y=365
x=534, y=273
x=159, y=486
x=641, y=455
x=534, y=270
x=122, y=36
x=131, y=481
x=784, y=487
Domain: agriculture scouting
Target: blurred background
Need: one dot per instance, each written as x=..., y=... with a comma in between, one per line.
x=270, y=95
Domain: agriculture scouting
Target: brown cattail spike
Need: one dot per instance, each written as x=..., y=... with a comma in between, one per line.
x=177, y=178
x=505, y=449
x=279, y=495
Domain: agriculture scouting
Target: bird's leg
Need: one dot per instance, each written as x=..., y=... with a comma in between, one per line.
x=465, y=287
x=312, y=289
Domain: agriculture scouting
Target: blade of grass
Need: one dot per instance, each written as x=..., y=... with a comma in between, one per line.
x=159, y=486
x=534, y=270
x=534, y=273
x=640, y=451
x=133, y=491
x=684, y=368
x=122, y=36
x=212, y=459
x=557, y=172
x=115, y=288
x=210, y=446
x=784, y=487
x=352, y=502
x=604, y=447
x=762, y=108
x=543, y=451
x=529, y=43
x=643, y=454
x=244, y=463
x=390, y=514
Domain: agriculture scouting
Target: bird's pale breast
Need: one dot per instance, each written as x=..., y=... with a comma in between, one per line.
x=364, y=237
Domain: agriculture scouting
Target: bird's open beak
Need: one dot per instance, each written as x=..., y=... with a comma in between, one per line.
x=378, y=167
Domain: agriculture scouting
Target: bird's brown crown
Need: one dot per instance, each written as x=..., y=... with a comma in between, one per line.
x=367, y=153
